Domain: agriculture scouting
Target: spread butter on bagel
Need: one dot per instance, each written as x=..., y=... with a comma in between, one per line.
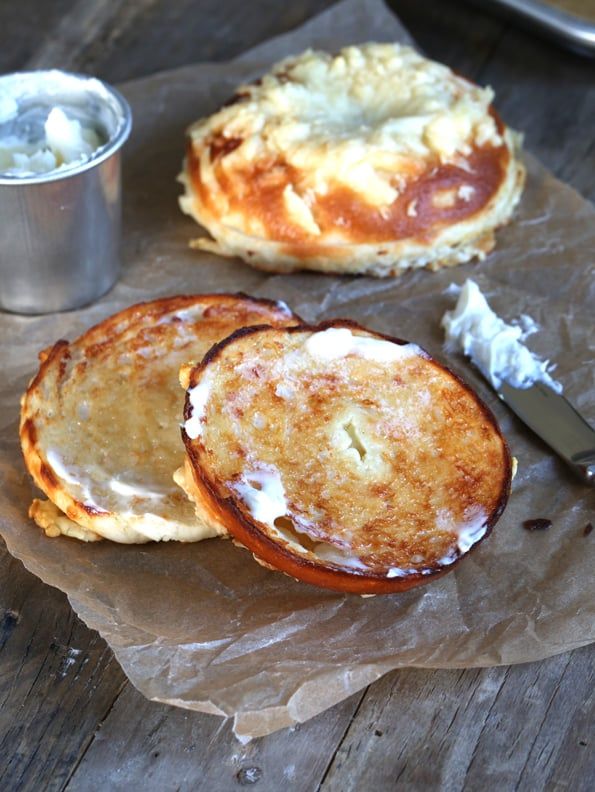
x=373, y=160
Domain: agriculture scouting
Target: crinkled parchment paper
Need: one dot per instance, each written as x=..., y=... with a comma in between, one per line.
x=204, y=627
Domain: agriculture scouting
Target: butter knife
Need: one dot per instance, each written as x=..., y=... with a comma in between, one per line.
x=555, y=420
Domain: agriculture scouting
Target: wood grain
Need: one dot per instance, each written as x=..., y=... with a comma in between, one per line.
x=58, y=680
x=496, y=728
x=118, y=40
x=140, y=739
x=24, y=26
x=88, y=33
x=69, y=720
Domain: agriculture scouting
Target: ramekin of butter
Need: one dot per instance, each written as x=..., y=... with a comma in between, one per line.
x=60, y=189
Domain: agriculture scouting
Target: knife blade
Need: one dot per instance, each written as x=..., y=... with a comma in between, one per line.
x=551, y=416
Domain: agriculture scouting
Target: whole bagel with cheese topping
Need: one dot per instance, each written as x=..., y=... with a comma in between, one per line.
x=374, y=160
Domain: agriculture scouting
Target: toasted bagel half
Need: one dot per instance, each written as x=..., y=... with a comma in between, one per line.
x=342, y=457
x=100, y=420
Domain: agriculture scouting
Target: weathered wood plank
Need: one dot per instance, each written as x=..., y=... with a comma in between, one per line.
x=89, y=28
x=220, y=31
x=520, y=742
x=57, y=681
x=172, y=749
x=574, y=750
x=496, y=728
x=24, y=26
x=117, y=40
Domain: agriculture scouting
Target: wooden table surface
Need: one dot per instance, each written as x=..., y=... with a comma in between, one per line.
x=69, y=719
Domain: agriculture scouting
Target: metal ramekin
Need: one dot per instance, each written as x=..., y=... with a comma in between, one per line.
x=60, y=231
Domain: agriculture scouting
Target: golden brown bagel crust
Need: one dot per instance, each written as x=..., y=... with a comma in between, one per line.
x=102, y=412
x=253, y=180
x=471, y=475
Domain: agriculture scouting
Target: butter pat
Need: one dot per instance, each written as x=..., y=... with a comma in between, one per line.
x=338, y=342
x=495, y=347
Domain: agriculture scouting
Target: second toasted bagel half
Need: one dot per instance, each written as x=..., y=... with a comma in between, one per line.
x=342, y=457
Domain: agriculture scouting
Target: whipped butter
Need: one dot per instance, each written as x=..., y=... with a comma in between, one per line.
x=42, y=141
x=198, y=396
x=339, y=342
x=495, y=347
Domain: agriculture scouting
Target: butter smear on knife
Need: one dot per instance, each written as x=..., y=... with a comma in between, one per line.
x=494, y=346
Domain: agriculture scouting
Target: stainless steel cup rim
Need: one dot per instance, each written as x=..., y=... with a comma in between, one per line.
x=104, y=93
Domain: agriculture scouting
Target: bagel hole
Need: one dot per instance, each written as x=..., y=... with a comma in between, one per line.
x=356, y=441
x=286, y=527
x=255, y=484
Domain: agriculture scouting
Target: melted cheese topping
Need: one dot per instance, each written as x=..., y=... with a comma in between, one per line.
x=355, y=118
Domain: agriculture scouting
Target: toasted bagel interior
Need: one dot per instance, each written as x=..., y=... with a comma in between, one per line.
x=342, y=457
x=100, y=421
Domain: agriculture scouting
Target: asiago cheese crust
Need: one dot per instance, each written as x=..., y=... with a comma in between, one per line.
x=100, y=420
x=373, y=160
x=342, y=457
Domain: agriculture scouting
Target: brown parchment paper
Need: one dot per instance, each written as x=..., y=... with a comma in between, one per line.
x=204, y=627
